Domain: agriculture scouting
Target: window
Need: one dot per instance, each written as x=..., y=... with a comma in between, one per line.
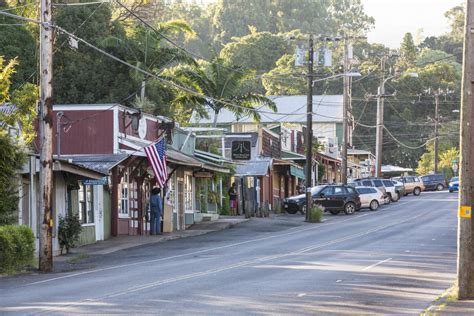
x=378, y=183
x=367, y=183
x=188, y=191
x=372, y=190
x=339, y=191
x=409, y=180
x=86, y=204
x=350, y=189
x=387, y=183
x=124, y=192
x=327, y=191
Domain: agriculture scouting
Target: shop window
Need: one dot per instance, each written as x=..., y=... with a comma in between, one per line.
x=124, y=192
x=86, y=204
x=188, y=191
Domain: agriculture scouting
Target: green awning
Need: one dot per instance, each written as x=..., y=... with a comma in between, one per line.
x=297, y=172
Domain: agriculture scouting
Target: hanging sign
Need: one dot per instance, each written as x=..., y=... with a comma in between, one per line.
x=241, y=150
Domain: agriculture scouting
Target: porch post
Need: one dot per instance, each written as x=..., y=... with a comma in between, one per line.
x=114, y=204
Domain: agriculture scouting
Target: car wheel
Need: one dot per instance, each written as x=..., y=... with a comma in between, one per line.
x=395, y=197
x=303, y=210
x=450, y=191
x=416, y=191
x=439, y=187
x=292, y=211
x=350, y=208
x=374, y=205
x=387, y=199
x=333, y=212
x=405, y=194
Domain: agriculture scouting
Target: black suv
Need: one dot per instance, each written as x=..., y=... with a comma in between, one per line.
x=434, y=182
x=334, y=198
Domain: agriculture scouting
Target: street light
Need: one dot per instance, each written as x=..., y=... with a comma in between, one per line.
x=380, y=107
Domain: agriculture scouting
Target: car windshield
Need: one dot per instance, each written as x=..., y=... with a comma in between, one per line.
x=454, y=179
x=315, y=190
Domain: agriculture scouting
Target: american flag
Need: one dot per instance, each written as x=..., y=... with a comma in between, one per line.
x=156, y=154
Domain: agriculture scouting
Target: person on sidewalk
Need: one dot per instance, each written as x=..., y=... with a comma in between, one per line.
x=156, y=205
x=233, y=199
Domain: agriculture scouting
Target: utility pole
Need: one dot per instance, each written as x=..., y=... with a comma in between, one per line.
x=46, y=132
x=436, y=141
x=309, y=129
x=380, y=123
x=345, y=108
x=466, y=192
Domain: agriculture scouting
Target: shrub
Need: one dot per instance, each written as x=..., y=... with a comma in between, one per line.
x=17, y=247
x=225, y=209
x=69, y=230
x=316, y=214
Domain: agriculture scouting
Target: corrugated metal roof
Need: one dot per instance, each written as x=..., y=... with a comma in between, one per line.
x=100, y=163
x=327, y=107
x=253, y=168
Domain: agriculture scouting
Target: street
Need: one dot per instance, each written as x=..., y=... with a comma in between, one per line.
x=396, y=260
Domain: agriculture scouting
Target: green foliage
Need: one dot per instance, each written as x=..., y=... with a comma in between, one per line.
x=11, y=160
x=316, y=214
x=281, y=80
x=222, y=82
x=69, y=230
x=408, y=53
x=225, y=209
x=17, y=246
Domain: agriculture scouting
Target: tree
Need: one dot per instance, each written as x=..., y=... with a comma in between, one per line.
x=11, y=155
x=221, y=82
x=348, y=17
x=282, y=80
x=456, y=18
x=408, y=53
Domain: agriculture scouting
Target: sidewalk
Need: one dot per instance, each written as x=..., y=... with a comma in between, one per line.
x=448, y=304
x=125, y=242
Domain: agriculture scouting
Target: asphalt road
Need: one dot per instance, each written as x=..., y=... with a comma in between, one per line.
x=393, y=261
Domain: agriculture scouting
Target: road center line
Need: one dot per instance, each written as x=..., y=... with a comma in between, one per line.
x=376, y=264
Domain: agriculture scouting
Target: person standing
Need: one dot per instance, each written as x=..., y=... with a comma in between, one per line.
x=156, y=205
x=233, y=199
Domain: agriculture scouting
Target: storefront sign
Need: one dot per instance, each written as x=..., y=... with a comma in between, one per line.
x=203, y=174
x=241, y=150
x=102, y=181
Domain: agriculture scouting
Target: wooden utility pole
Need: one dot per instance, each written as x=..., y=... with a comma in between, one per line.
x=309, y=129
x=345, y=109
x=466, y=192
x=436, y=141
x=46, y=132
x=380, y=123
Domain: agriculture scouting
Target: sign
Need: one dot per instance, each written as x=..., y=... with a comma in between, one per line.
x=241, y=149
x=203, y=174
x=102, y=181
x=465, y=212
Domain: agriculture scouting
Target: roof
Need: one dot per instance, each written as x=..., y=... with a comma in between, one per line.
x=358, y=152
x=7, y=109
x=253, y=168
x=100, y=163
x=328, y=108
x=390, y=168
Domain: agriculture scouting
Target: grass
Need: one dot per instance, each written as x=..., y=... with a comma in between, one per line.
x=450, y=295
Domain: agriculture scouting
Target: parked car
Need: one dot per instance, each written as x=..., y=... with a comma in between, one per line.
x=453, y=184
x=385, y=185
x=412, y=184
x=337, y=198
x=399, y=187
x=297, y=203
x=434, y=182
x=370, y=197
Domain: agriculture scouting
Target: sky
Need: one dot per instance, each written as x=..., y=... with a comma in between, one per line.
x=394, y=18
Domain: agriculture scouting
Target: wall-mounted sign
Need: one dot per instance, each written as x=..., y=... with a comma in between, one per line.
x=241, y=150
x=102, y=181
x=203, y=174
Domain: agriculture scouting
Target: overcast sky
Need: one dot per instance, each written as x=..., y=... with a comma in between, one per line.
x=396, y=17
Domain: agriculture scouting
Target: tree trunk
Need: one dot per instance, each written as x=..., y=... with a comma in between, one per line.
x=216, y=114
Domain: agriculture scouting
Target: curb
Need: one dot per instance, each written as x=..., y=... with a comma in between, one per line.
x=438, y=304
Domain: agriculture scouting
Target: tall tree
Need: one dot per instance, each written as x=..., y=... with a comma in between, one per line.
x=408, y=53
x=220, y=85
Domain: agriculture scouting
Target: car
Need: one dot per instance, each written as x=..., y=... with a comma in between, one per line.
x=399, y=187
x=337, y=198
x=297, y=203
x=412, y=184
x=434, y=182
x=385, y=185
x=370, y=197
x=453, y=184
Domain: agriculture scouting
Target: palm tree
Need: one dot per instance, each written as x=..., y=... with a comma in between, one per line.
x=219, y=86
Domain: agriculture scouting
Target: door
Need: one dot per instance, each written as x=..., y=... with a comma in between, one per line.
x=323, y=197
x=338, y=198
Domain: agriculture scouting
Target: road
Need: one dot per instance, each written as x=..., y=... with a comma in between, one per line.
x=393, y=261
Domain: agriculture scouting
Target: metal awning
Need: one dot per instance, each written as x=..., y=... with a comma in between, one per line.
x=297, y=172
x=253, y=168
x=179, y=158
x=99, y=163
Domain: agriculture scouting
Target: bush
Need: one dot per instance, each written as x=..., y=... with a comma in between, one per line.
x=69, y=230
x=316, y=214
x=17, y=247
x=225, y=209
